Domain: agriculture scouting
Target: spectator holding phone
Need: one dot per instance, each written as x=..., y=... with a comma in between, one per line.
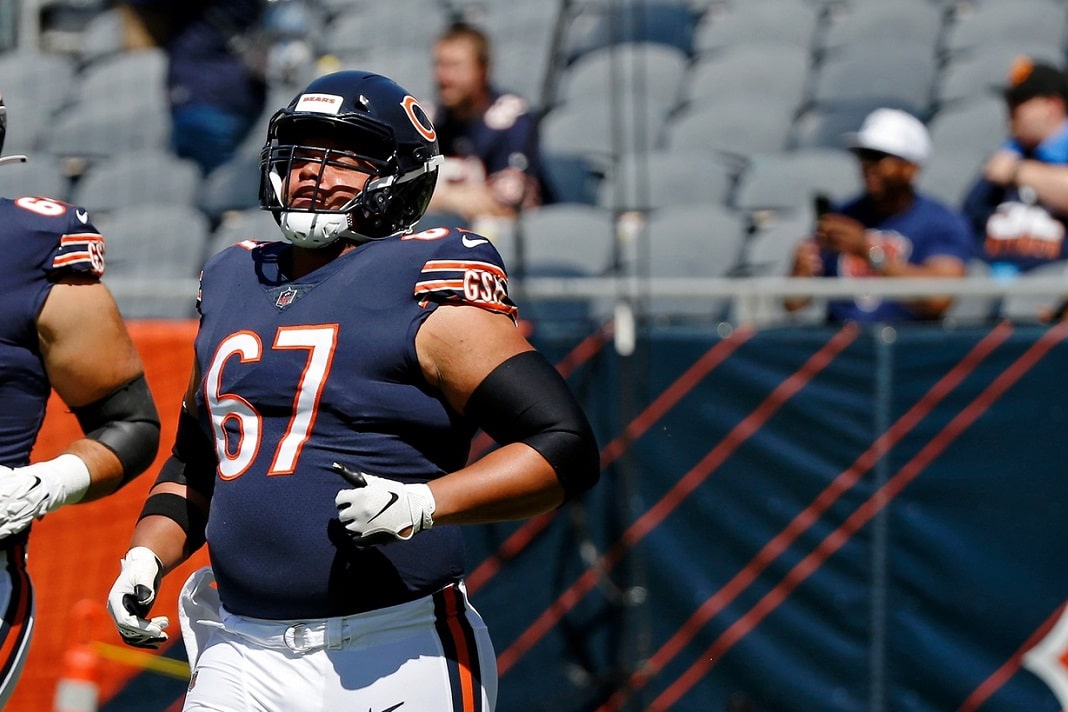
x=888, y=230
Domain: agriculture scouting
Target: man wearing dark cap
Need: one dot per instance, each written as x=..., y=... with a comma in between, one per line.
x=1018, y=207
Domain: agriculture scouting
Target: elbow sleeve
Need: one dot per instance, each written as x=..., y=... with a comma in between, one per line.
x=526, y=400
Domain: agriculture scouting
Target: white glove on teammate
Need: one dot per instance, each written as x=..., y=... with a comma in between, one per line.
x=35, y=490
x=377, y=510
x=133, y=594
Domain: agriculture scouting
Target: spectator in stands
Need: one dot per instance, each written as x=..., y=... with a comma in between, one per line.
x=1018, y=206
x=889, y=230
x=216, y=74
x=489, y=138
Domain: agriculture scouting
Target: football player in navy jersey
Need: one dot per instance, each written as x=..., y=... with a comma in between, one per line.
x=59, y=329
x=323, y=443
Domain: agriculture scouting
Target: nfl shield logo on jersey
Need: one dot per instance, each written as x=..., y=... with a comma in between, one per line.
x=285, y=297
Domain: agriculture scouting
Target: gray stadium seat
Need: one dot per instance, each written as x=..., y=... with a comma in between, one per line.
x=34, y=85
x=972, y=309
x=131, y=78
x=649, y=181
x=248, y=224
x=787, y=180
x=970, y=128
x=981, y=74
x=668, y=22
x=562, y=240
x=639, y=72
x=132, y=178
x=774, y=73
x=691, y=241
x=892, y=70
x=784, y=23
x=589, y=128
x=160, y=243
x=369, y=27
x=1031, y=308
x=738, y=127
x=915, y=22
x=40, y=175
x=769, y=252
x=1038, y=23
x=86, y=134
x=233, y=186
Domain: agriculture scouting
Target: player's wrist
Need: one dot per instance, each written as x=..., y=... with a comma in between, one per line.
x=66, y=479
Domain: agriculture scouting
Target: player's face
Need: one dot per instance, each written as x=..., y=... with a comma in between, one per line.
x=325, y=177
x=459, y=75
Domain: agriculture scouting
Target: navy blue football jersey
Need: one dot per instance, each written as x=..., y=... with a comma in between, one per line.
x=297, y=375
x=42, y=240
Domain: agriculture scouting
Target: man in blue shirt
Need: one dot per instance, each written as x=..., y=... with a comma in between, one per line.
x=889, y=230
x=1018, y=207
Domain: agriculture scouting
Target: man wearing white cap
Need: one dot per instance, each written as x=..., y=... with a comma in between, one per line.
x=889, y=230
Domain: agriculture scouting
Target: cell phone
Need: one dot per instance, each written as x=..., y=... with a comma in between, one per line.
x=822, y=203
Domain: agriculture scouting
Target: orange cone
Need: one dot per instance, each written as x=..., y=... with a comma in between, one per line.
x=77, y=689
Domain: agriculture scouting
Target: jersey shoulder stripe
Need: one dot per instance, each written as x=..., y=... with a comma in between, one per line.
x=80, y=252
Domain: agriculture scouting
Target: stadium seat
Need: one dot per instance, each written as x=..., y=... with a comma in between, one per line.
x=737, y=128
x=788, y=180
x=691, y=241
x=639, y=72
x=912, y=22
x=772, y=73
x=668, y=22
x=40, y=175
x=148, y=176
x=35, y=86
x=1038, y=24
x=157, y=245
x=650, y=181
x=783, y=23
x=895, y=71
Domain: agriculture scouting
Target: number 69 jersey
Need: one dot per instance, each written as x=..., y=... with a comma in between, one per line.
x=42, y=240
x=299, y=374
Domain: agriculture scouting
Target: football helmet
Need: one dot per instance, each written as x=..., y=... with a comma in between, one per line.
x=3, y=135
x=349, y=121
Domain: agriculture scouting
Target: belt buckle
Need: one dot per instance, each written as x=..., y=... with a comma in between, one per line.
x=295, y=638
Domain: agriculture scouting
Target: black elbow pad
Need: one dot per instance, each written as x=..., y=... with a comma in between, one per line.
x=526, y=400
x=127, y=423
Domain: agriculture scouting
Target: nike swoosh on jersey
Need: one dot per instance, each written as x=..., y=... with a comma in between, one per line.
x=82, y=215
x=468, y=242
x=393, y=497
x=390, y=709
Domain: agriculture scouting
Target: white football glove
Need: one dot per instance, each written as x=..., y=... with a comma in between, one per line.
x=378, y=510
x=133, y=594
x=31, y=492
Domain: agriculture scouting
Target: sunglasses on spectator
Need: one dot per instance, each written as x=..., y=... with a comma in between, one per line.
x=869, y=155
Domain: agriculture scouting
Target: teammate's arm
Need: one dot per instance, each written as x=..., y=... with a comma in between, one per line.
x=95, y=369
x=169, y=530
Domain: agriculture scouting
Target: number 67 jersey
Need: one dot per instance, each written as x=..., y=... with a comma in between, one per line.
x=299, y=374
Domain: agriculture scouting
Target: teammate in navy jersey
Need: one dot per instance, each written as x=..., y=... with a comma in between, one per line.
x=59, y=329
x=323, y=443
